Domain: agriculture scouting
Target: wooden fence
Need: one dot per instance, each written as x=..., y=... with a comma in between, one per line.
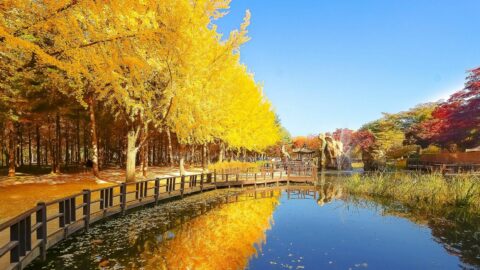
x=452, y=158
x=30, y=234
x=447, y=162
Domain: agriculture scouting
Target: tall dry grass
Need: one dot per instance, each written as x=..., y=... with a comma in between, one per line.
x=417, y=190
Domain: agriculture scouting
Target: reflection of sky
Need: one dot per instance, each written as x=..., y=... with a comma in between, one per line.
x=339, y=236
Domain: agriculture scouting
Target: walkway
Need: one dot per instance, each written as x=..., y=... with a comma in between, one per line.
x=30, y=234
x=25, y=190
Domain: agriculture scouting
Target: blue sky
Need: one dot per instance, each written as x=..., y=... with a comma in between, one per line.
x=338, y=63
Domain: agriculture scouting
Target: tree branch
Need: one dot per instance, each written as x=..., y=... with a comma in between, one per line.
x=44, y=19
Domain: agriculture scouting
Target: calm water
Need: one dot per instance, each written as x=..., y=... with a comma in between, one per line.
x=276, y=229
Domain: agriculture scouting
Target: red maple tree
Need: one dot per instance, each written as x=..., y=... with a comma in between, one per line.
x=457, y=120
x=364, y=139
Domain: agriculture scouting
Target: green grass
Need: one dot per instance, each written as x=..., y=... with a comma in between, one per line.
x=421, y=191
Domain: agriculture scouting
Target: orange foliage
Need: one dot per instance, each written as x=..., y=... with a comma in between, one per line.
x=311, y=141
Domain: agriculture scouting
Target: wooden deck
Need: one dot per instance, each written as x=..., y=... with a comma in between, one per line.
x=30, y=234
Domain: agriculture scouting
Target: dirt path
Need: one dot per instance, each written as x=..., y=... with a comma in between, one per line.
x=25, y=191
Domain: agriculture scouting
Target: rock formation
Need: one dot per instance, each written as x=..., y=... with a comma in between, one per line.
x=373, y=159
x=332, y=155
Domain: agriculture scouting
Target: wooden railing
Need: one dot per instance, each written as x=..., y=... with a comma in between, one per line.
x=31, y=233
x=432, y=166
x=302, y=171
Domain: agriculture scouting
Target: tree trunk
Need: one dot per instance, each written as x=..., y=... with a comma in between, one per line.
x=51, y=148
x=221, y=155
x=46, y=148
x=182, y=160
x=29, y=146
x=11, y=148
x=170, y=150
x=77, y=152
x=93, y=129
x=131, y=155
x=67, y=144
x=143, y=159
x=161, y=149
x=58, y=148
x=37, y=131
x=20, y=149
x=154, y=152
x=208, y=156
x=85, y=140
x=2, y=140
x=153, y=148
x=192, y=155
x=204, y=157
x=146, y=159
x=144, y=151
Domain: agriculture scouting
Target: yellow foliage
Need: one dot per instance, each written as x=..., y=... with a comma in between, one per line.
x=225, y=247
x=160, y=62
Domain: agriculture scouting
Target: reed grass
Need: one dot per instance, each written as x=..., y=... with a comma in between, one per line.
x=422, y=191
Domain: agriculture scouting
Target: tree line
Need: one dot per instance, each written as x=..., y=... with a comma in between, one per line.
x=126, y=83
x=447, y=125
x=451, y=125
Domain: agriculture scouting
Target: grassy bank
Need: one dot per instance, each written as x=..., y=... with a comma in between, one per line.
x=430, y=192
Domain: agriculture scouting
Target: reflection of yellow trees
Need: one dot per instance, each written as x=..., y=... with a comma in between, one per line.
x=224, y=238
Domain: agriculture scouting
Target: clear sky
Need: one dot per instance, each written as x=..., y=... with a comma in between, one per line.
x=340, y=63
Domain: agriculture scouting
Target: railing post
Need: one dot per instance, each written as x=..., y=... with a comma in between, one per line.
x=87, y=198
x=61, y=210
x=123, y=197
x=182, y=185
x=136, y=190
x=15, y=236
x=41, y=217
x=201, y=182
x=157, y=189
x=215, y=178
x=145, y=189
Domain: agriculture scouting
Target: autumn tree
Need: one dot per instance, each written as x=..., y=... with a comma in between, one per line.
x=145, y=69
x=457, y=120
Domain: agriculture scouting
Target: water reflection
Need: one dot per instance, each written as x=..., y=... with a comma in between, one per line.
x=453, y=228
x=215, y=230
x=221, y=239
x=297, y=227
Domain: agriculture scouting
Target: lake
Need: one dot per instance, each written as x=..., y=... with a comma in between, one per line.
x=279, y=228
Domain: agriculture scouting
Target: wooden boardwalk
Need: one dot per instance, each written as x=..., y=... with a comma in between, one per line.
x=30, y=234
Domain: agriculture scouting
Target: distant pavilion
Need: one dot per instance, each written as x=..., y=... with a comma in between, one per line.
x=303, y=153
